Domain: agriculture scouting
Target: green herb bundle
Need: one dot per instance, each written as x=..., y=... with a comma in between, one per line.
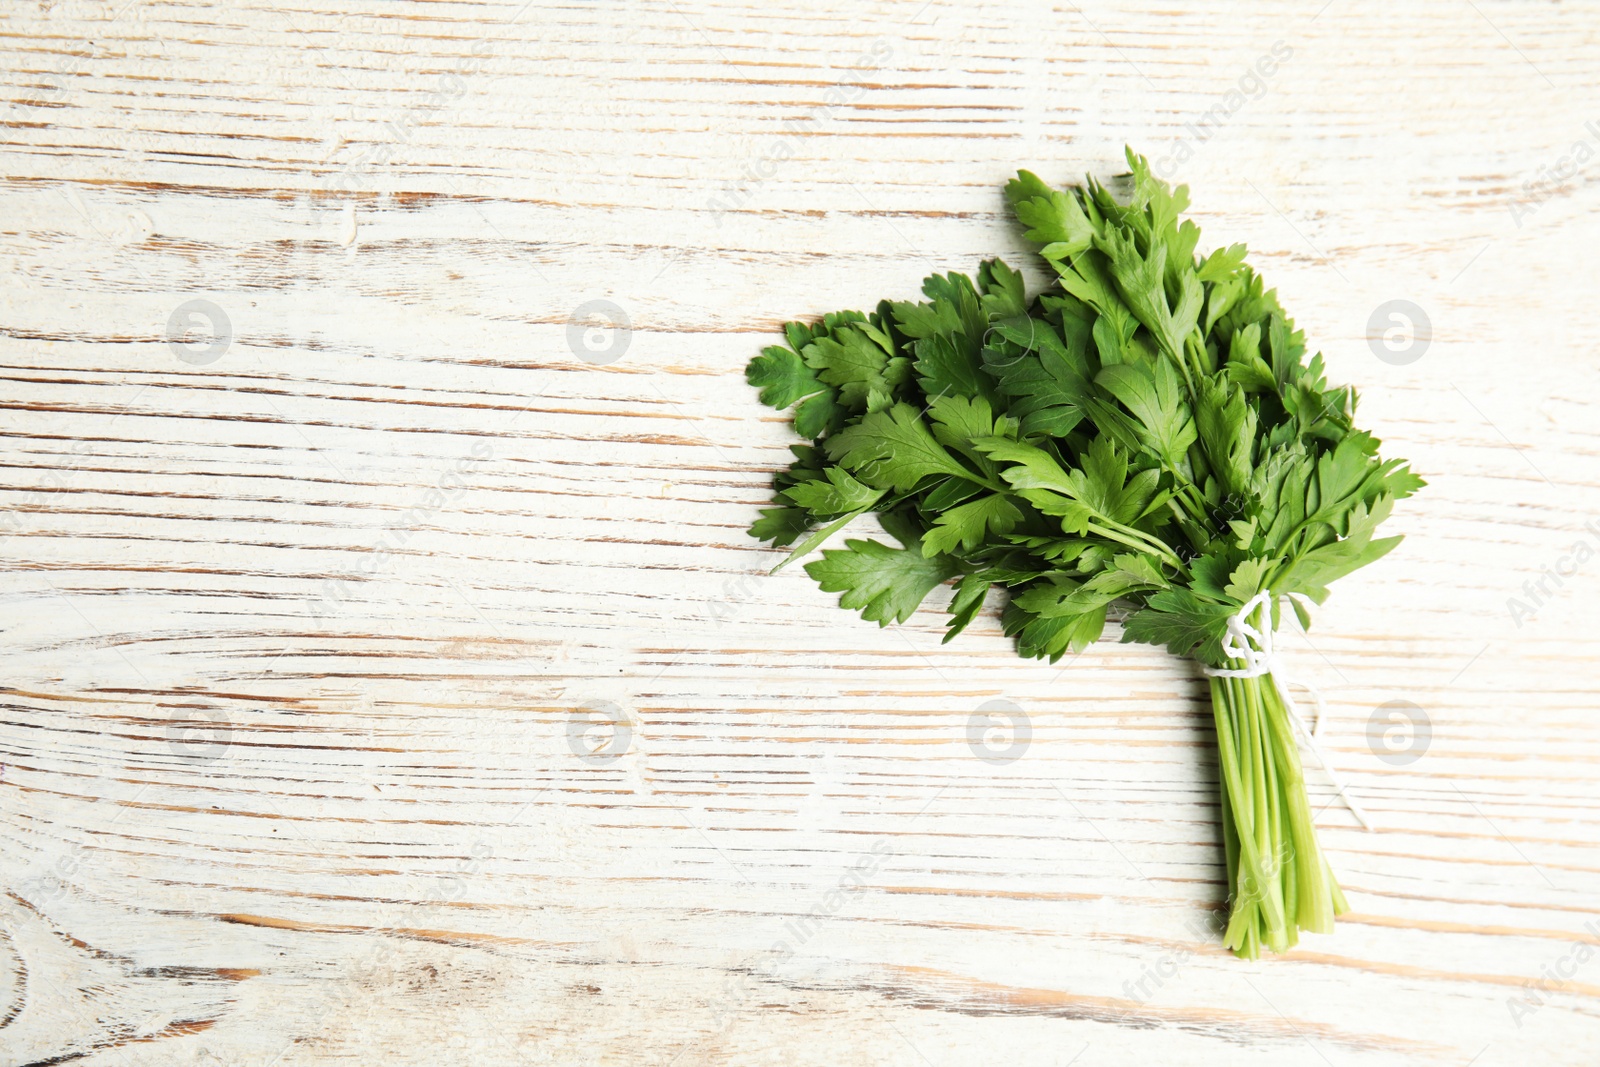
x=1146, y=436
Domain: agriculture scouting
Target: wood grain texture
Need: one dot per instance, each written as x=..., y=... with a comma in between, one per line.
x=304, y=613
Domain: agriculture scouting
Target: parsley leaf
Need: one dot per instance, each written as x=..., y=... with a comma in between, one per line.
x=885, y=584
x=965, y=526
x=893, y=449
x=833, y=494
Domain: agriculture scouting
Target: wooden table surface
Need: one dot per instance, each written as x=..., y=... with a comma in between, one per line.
x=375, y=424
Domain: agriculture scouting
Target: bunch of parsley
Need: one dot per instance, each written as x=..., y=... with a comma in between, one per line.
x=1147, y=434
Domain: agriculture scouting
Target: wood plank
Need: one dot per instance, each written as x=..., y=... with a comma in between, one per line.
x=301, y=631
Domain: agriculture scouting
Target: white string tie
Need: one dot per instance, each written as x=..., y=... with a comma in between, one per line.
x=1254, y=646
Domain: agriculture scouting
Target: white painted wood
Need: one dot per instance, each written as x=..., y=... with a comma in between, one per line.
x=253, y=816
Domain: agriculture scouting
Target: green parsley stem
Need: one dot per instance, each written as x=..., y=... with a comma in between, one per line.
x=1141, y=542
x=1278, y=880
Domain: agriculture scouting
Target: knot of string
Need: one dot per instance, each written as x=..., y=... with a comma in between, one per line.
x=1253, y=645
